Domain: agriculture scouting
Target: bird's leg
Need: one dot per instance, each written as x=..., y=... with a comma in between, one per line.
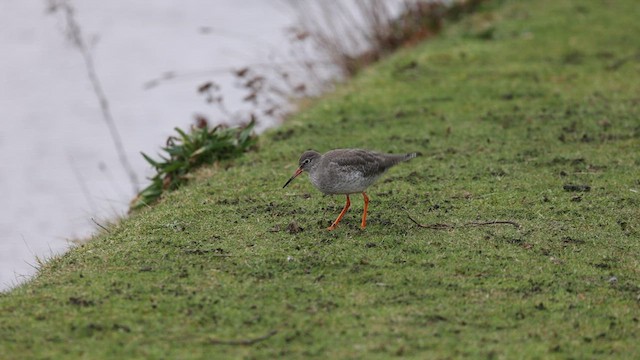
x=364, y=214
x=346, y=207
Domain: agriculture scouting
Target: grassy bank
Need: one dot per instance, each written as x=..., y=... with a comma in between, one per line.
x=528, y=112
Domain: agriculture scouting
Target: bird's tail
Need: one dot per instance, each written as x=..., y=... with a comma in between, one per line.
x=410, y=156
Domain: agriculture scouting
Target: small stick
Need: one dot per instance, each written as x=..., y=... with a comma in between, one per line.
x=496, y=222
x=431, y=226
x=102, y=227
x=440, y=226
x=243, y=342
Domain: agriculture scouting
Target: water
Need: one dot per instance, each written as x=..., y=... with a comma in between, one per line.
x=58, y=166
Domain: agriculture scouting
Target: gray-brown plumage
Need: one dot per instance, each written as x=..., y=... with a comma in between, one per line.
x=347, y=171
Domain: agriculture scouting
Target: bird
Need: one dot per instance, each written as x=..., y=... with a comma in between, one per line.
x=346, y=172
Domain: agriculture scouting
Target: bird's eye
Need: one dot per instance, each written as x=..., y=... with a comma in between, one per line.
x=306, y=161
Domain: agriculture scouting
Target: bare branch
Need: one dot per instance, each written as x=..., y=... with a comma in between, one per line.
x=75, y=36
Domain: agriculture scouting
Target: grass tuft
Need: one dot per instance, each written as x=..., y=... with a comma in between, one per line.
x=353, y=35
x=189, y=151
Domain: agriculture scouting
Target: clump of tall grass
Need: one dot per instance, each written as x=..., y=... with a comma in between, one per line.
x=356, y=33
x=188, y=151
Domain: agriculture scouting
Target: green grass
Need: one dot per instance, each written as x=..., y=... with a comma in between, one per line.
x=184, y=154
x=507, y=107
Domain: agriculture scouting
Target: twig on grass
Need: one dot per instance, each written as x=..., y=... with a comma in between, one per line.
x=102, y=227
x=441, y=226
x=430, y=226
x=496, y=222
x=243, y=342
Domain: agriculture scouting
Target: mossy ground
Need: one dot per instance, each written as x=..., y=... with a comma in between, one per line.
x=510, y=108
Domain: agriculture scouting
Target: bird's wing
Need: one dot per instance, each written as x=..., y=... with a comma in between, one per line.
x=367, y=162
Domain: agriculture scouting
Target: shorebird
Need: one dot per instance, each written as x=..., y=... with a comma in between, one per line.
x=347, y=171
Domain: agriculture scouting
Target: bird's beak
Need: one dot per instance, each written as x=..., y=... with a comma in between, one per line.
x=298, y=172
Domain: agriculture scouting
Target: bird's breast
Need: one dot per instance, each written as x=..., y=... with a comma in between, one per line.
x=341, y=182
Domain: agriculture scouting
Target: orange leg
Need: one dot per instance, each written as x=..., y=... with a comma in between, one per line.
x=364, y=214
x=346, y=207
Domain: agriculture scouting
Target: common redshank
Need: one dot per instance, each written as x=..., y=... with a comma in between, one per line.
x=346, y=171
